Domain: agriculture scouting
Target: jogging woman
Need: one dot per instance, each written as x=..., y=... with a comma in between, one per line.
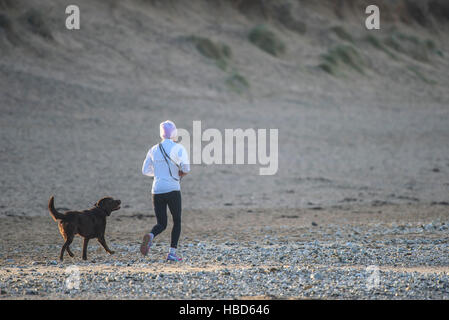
x=167, y=162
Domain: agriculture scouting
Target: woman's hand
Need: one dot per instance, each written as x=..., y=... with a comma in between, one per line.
x=182, y=174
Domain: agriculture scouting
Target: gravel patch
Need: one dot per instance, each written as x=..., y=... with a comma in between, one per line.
x=365, y=262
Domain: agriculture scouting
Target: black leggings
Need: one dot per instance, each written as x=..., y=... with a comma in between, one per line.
x=160, y=203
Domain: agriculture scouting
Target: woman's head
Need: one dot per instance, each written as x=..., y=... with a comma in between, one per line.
x=168, y=130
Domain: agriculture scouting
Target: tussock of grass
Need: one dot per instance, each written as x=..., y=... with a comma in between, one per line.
x=342, y=33
x=376, y=43
x=408, y=37
x=340, y=57
x=221, y=53
x=329, y=68
x=432, y=47
x=411, y=46
x=266, y=40
x=37, y=24
x=393, y=43
x=217, y=51
x=212, y=50
x=430, y=44
x=237, y=83
x=420, y=75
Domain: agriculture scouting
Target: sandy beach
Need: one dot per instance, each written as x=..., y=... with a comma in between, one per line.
x=265, y=254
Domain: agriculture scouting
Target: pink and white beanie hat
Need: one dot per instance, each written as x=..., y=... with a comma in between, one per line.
x=168, y=130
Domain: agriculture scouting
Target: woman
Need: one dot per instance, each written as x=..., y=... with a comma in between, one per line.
x=168, y=162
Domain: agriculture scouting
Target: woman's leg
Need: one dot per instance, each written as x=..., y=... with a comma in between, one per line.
x=174, y=204
x=160, y=209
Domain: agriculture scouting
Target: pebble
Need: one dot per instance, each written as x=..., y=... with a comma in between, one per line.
x=316, y=276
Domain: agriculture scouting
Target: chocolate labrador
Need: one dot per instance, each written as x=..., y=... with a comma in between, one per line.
x=88, y=224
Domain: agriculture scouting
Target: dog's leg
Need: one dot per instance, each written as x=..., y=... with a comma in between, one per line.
x=85, y=242
x=61, y=256
x=64, y=247
x=70, y=252
x=105, y=246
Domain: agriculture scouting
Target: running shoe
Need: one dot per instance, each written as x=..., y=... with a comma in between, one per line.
x=173, y=257
x=146, y=244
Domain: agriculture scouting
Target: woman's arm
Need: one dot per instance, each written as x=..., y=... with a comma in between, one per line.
x=183, y=162
x=147, y=167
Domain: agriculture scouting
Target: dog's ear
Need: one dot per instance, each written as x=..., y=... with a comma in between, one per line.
x=98, y=203
x=103, y=201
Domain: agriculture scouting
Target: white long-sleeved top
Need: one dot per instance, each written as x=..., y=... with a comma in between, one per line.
x=156, y=166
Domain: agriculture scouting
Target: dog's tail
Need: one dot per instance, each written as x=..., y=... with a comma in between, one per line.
x=53, y=212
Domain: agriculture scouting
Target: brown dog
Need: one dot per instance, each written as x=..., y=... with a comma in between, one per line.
x=88, y=224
